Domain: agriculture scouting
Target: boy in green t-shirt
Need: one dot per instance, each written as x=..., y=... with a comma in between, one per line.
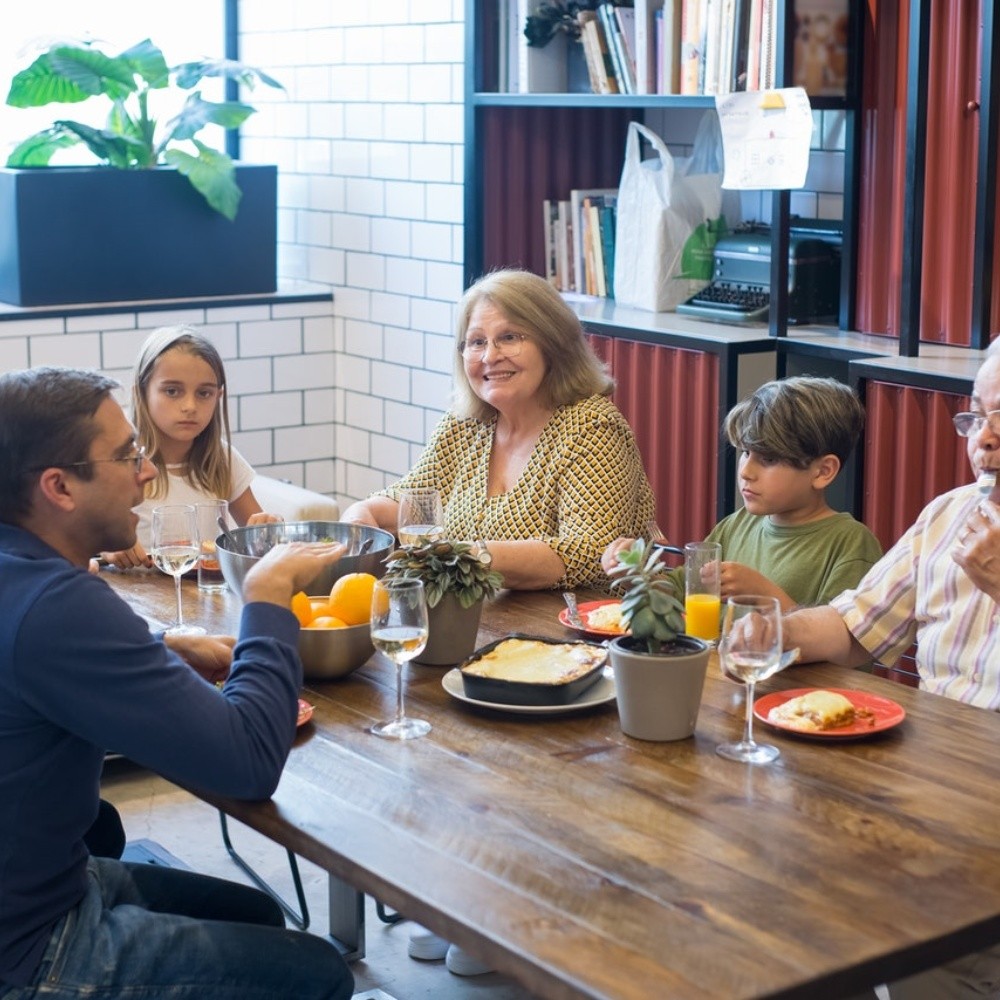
x=794, y=435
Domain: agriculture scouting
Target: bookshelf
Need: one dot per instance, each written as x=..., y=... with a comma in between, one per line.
x=523, y=148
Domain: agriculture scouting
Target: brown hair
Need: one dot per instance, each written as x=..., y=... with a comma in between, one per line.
x=210, y=459
x=46, y=419
x=572, y=370
x=797, y=420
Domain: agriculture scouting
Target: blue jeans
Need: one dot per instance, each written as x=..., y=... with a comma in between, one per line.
x=145, y=932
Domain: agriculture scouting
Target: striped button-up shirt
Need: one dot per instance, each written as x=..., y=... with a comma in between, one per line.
x=918, y=593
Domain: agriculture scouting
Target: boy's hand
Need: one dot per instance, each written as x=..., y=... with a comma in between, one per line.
x=735, y=578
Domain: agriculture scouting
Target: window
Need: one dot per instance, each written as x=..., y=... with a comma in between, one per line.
x=183, y=29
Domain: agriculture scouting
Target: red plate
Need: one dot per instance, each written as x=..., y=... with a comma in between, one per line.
x=305, y=712
x=885, y=713
x=585, y=610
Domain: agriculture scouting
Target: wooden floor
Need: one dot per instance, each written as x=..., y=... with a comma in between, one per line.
x=156, y=810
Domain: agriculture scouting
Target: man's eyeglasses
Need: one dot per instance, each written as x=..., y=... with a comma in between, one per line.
x=970, y=424
x=507, y=345
x=136, y=458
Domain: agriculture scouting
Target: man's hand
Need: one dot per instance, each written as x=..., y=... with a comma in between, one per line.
x=979, y=549
x=288, y=568
x=208, y=655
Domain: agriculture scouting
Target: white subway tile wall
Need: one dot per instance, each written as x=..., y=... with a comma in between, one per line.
x=368, y=142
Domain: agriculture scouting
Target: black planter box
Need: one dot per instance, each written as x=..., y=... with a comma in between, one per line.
x=97, y=234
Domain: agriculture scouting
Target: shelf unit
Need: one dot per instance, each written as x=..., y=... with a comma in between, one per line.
x=522, y=148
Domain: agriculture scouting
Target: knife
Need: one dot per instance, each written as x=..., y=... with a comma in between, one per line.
x=574, y=612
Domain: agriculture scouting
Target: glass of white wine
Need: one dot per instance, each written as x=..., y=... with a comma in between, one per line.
x=750, y=651
x=399, y=630
x=420, y=514
x=175, y=552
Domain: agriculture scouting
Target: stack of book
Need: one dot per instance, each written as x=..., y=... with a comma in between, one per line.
x=686, y=47
x=579, y=238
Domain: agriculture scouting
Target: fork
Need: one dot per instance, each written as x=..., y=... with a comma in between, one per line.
x=574, y=612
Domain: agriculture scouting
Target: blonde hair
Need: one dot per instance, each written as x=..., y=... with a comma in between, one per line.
x=572, y=370
x=209, y=465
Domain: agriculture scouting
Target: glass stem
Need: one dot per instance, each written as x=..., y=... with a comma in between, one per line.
x=177, y=587
x=748, y=738
x=399, y=692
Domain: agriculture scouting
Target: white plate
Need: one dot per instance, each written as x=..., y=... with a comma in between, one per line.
x=600, y=694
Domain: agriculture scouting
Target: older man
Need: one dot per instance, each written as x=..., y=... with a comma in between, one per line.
x=79, y=671
x=939, y=586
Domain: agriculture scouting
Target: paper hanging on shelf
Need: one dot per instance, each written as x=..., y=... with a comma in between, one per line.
x=766, y=136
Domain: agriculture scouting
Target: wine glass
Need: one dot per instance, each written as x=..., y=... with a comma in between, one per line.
x=399, y=630
x=750, y=651
x=420, y=513
x=175, y=552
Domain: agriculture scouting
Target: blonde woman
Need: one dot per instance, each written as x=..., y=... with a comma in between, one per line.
x=533, y=458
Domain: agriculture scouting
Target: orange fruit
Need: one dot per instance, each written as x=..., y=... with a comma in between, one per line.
x=351, y=598
x=327, y=621
x=302, y=608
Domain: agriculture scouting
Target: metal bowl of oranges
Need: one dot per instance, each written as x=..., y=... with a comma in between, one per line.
x=335, y=635
x=253, y=542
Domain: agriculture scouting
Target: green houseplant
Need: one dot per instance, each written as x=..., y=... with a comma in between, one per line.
x=132, y=138
x=659, y=671
x=458, y=577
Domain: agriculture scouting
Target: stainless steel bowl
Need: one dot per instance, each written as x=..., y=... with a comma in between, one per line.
x=328, y=653
x=259, y=539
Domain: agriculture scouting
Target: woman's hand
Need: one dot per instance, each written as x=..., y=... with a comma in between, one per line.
x=133, y=558
x=264, y=518
x=609, y=558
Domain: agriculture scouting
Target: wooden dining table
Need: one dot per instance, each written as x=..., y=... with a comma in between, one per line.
x=584, y=863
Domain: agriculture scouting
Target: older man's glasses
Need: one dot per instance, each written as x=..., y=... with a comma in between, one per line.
x=970, y=424
x=507, y=345
x=136, y=458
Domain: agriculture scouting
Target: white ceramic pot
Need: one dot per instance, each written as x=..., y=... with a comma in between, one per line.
x=659, y=695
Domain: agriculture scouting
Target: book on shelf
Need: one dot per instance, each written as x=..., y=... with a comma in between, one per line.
x=741, y=46
x=564, y=248
x=595, y=47
x=668, y=48
x=580, y=224
x=550, y=211
x=616, y=47
x=625, y=22
x=648, y=14
x=607, y=217
x=692, y=42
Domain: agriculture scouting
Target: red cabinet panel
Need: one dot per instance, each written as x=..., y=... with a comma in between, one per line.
x=670, y=398
x=912, y=454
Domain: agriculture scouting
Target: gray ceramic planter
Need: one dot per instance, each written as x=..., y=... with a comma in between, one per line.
x=451, y=633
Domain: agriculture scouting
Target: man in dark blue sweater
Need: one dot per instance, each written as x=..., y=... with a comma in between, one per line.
x=79, y=672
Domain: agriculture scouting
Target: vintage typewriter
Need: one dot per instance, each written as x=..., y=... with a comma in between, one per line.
x=740, y=288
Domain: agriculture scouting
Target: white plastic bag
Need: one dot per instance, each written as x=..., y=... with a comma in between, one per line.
x=669, y=217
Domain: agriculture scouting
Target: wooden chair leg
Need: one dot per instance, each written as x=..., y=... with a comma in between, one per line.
x=301, y=918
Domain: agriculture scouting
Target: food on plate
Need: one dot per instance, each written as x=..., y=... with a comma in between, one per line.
x=533, y=661
x=351, y=598
x=816, y=712
x=607, y=618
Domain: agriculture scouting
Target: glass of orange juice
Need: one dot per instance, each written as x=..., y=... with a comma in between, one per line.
x=701, y=589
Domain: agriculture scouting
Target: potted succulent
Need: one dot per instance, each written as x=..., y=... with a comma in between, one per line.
x=209, y=225
x=458, y=577
x=659, y=671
